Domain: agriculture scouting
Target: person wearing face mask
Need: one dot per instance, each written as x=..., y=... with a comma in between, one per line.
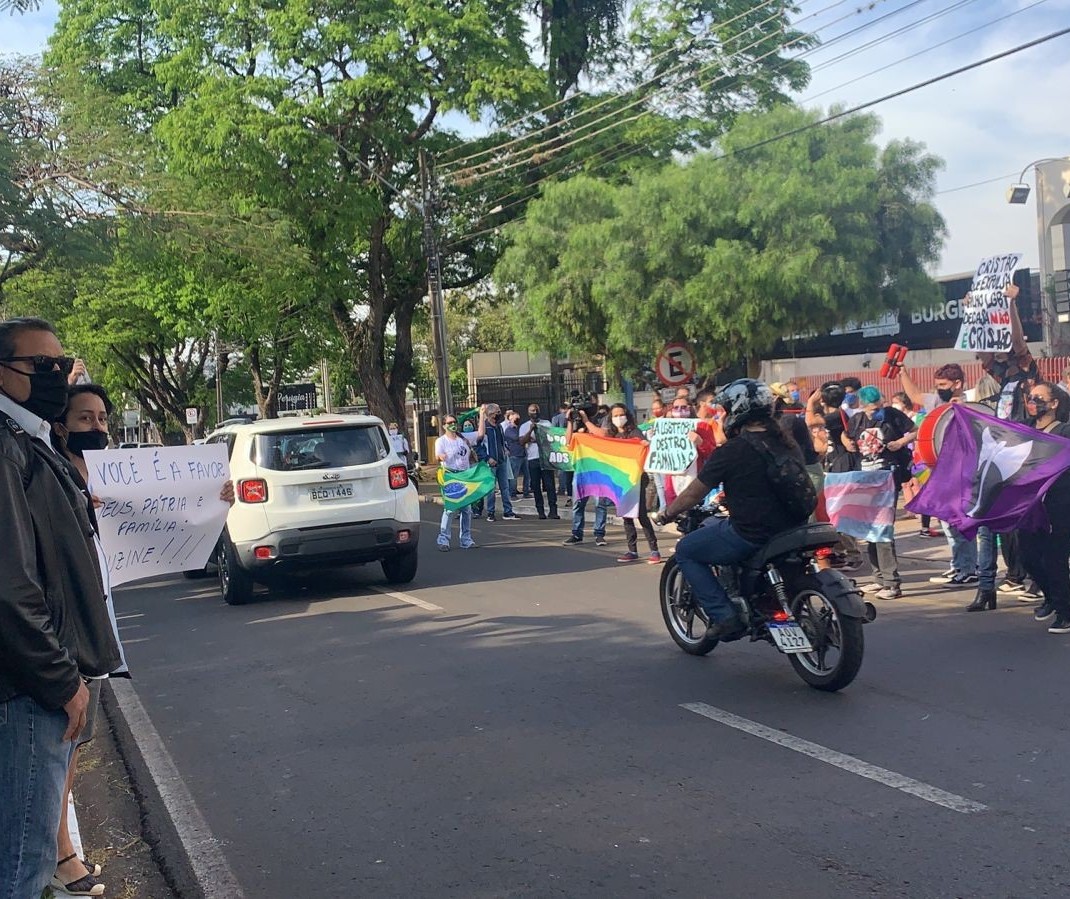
x=400, y=443
x=851, y=403
x=882, y=436
x=490, y=448
x=54, y=627
x=622, y=426
x=539, y=480
x=454, y=453
x=517, y=456
x=1046, y=554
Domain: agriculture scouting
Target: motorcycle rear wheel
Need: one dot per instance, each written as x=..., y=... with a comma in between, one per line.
x=837, y=640
x=685, y=620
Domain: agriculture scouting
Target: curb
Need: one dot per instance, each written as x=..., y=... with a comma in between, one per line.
x=157, y=828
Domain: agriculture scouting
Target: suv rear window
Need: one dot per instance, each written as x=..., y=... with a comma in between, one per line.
x=323, y=448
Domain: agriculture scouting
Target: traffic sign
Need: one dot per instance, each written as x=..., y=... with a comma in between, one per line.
x=676, y=364
x=192, y=415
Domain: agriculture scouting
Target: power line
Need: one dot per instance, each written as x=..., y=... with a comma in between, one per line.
x=499, y=147
x=951, y=190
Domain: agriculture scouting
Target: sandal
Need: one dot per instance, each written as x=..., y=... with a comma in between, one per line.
x=83, y=886
x=92, y=867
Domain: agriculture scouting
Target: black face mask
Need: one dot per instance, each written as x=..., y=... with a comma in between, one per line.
x=48, y=395
x=945, y=395
x=998, y=370
x=534, y=416
x=80, y=441
x=1042, y=408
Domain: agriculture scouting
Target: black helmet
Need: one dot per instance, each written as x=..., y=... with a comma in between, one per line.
x=745, y=400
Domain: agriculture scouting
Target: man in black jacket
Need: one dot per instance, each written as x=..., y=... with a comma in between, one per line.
x=54, y=627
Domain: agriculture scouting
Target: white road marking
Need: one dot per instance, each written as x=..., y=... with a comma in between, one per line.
x=129, y=615
x=209, y=864
x=840, y=760
x=406, y=597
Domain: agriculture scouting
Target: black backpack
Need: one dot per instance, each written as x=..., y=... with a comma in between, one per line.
x=788, y=477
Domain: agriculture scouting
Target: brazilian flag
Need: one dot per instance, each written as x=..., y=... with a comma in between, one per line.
x=462, y=488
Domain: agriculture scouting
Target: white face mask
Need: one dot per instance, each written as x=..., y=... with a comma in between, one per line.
x=620, y=420
x=393, y=432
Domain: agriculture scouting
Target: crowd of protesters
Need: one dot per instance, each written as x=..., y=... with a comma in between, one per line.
x=841, y=426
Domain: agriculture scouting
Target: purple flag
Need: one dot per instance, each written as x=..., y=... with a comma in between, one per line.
x=992, y=472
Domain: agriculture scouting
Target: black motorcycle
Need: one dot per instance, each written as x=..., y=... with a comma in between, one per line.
x=786, y=597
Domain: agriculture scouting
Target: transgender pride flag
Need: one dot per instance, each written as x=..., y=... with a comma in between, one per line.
x=861, y=504
x=608, y=468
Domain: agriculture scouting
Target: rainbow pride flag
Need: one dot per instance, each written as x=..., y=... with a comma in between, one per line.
x=462, y=488
x=611, y=469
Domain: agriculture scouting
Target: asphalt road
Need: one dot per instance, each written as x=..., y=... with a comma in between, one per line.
x=529, y=739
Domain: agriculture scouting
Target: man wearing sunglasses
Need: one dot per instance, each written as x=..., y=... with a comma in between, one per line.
x=54, y=627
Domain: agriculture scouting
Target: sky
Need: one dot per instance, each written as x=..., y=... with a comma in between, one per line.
x=987, y=124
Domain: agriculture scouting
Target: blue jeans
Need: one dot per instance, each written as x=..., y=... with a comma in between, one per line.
x=33, y=773
x=714, y=544
x=465, y=515
x=963, y=551
x=986, y=559
x=516, y=466
x=579, y=518
x=501, y=474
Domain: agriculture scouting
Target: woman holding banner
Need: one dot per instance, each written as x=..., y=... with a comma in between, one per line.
x=621, y=425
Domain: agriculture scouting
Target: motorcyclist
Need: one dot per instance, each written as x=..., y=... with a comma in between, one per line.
x=756, y=511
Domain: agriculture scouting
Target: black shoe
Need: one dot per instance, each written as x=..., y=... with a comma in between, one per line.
x=1044, y=612
x=490, y=516
x=555, y=515
x=960, y=580
x=572, y=540
x=726, y=631
x=985, y=599
x=1061, y=625
x=600, y=541
x=542, y=516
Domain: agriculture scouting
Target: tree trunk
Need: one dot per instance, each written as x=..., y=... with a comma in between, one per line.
x=754, y=366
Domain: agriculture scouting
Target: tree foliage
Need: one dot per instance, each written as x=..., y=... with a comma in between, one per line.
x=732, y=252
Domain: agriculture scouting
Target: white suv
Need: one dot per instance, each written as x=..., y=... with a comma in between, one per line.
x=315, y=492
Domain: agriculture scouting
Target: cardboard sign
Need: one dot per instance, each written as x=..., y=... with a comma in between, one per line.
x=553, y=451
x=671, y=450
x=986, y=312
x=162, y=512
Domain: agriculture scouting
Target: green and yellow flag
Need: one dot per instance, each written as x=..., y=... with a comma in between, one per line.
x=462, y=488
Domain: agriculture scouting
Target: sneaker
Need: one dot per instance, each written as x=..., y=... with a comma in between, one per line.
x=554, y=515
x=510, y=516
x=572, y=540
x=542, y=516
x=1044, y=612
x=600, y=541
x=628, y=557
x=443, y=547
x=851, y=563
x=929, y=532
x=889, y=593
x=490, y=516
x=477, y=514
x=943, y=577
x=960, y=580
x=655, y=558
x=470, y=546
x=1010, y=587
x=871, y=588
x=1060, y=626
x=1030, y=594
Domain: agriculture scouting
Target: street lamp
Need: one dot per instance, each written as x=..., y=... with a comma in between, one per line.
x=1018, y=194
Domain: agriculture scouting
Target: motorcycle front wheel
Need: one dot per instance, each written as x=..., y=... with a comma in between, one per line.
x=684, y=619
x=837, y=640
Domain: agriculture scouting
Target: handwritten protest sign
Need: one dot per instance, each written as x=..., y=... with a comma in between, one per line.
x=671, y=450
x=986, y=312
x=162, y=512
x=553, y=451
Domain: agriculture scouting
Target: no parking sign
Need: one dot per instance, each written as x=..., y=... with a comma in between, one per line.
x=676, y=364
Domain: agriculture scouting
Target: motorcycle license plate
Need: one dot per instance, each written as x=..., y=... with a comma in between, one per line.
x=789, y=637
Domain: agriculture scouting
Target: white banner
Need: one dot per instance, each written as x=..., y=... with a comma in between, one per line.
x=162, y=512
x=671, y=449
x=986, y=312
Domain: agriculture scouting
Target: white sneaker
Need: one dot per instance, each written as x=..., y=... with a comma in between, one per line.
x=943, y=578
x=890, y=593
x=870, y=588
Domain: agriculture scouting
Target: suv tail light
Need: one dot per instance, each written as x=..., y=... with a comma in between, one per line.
x=399, y=477
x=253, y=491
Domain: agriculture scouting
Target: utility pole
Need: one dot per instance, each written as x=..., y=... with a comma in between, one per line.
x=218, y=381
x=428, y=189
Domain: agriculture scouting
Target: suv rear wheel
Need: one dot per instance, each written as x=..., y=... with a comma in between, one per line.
x=235, y=583
x=400, y=569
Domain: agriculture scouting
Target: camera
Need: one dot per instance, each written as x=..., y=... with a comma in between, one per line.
x=578, y=402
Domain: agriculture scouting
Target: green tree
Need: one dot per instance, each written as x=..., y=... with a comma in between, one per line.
x=773, y=238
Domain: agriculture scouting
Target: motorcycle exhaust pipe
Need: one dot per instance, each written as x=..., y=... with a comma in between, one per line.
x=871, y=612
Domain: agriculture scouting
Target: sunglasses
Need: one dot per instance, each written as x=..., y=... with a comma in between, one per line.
x=681, y=407
x=44, y=364
x=1038, y=399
